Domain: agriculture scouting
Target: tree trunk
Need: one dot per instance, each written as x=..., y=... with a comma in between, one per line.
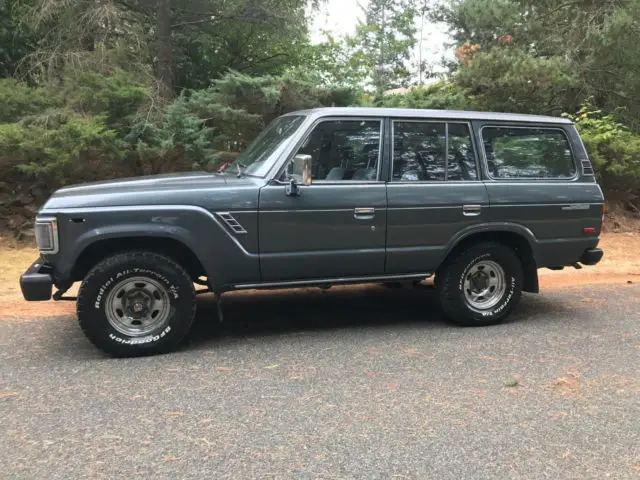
x=164, y=66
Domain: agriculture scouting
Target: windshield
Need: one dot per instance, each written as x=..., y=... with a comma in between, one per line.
x=258, y=158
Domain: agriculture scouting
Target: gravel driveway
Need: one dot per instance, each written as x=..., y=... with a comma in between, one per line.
x=349, y=383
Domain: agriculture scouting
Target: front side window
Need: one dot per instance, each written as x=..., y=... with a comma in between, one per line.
x=344, y=150
x=527, y=153
x=432, y=152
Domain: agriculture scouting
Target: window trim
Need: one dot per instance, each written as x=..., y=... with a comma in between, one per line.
x=575, y=176
x=310, y=131
x=446, y=169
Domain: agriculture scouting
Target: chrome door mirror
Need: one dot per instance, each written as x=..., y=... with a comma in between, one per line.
x=302, y=167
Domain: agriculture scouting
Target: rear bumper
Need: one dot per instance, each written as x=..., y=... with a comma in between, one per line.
x=591, y=256
x=36, y=283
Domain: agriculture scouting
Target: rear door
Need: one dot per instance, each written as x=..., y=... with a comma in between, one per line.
x=336, y=227
x=434, y=192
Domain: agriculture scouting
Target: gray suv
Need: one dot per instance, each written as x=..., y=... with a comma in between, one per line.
x=324, y=197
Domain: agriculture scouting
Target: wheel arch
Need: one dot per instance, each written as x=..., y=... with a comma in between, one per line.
x=519, y=239
x=102, y=248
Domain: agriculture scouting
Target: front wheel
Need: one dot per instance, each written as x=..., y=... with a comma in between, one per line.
x=136, y=303
x=481, y=285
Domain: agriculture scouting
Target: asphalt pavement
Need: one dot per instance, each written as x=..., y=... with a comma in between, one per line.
x=351, y=383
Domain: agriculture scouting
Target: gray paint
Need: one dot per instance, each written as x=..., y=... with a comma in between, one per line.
x=317, y=235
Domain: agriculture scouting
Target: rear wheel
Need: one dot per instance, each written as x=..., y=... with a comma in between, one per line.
x=481, y=285
x=137, y=303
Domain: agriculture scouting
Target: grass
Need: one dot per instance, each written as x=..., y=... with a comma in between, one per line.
x=14, y=260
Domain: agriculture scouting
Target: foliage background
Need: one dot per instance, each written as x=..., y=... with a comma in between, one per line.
x=95, y=89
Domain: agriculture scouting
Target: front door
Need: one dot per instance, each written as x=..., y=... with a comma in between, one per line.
x=434, y=194
x=335, y=227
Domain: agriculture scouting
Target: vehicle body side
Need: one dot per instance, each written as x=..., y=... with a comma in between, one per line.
x=244, y=232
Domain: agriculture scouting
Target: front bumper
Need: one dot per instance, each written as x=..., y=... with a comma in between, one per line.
x=36, y=283
x=591, y=256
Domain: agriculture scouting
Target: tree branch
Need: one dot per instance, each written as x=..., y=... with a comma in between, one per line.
x=192, y=22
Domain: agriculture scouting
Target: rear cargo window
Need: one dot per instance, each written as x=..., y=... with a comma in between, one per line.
x=528, y=153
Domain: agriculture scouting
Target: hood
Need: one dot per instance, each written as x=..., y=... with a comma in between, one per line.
x=188, y=188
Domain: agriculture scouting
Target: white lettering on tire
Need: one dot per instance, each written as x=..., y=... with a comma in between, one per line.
x=504, y=304
x=140, y=340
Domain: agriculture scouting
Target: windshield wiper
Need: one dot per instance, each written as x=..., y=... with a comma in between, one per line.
x=241, y=168
x=225, y=167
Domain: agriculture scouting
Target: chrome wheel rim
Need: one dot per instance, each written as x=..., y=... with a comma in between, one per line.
x=484, y=285
x=137, y=306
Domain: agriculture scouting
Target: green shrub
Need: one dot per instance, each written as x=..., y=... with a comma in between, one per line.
x=441, y=96
x=17, y=100
x=613, y=148
x=48, y=148
x=117, y=96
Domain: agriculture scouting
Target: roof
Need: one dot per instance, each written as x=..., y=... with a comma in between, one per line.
x=425, y=113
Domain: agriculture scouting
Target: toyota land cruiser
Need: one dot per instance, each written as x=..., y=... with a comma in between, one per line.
x=328, y=196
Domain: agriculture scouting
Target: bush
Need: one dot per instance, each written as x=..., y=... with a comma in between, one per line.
x=18, y=100
x=441, y=96
x=613, y=148
x=117, y=96
x=49, y=147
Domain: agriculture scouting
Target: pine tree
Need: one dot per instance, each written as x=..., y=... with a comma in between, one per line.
x=386, y=37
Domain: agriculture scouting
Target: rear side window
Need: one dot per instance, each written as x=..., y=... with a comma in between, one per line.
x=432, y=152
x=528, y=153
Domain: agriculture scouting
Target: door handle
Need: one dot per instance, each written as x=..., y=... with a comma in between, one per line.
x=364, y=213
x=471, y=210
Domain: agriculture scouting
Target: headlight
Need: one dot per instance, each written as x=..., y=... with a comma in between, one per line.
x=46, y=230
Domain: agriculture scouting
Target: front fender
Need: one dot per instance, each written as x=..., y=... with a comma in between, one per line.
x=226, y=258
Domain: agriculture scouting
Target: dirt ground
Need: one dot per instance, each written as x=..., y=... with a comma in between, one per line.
x=621, y=264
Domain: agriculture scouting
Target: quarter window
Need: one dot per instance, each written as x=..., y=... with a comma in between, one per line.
x=344, y=150
x=431, y=151
x=528, y=153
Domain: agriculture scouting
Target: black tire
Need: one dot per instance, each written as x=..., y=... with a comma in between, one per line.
x=177, y=297
x=450, y=284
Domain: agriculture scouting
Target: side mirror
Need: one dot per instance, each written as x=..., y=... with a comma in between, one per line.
x=302, y=166
x=291, y=189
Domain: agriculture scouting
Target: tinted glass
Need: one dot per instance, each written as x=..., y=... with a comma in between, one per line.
x=344, y=150
x=418, y=151
x=461, y=161
x=527, y=153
